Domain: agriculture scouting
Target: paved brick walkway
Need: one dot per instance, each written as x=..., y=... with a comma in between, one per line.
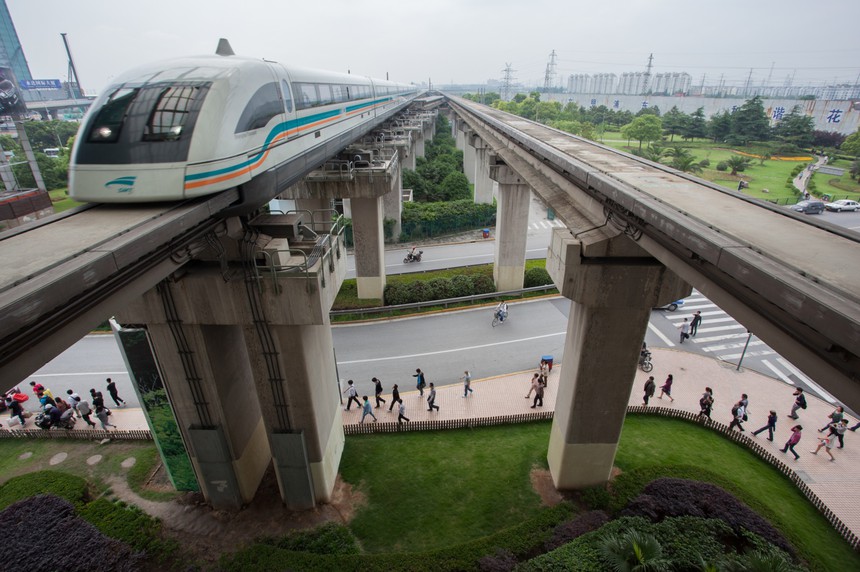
x=837, y=484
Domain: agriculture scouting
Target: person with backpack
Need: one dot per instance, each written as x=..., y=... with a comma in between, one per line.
x=352, y=394
x=770, y=427
x=649, y=388
x=377, y=391
x=799, y=403
x=706, y=402
x=738, y=413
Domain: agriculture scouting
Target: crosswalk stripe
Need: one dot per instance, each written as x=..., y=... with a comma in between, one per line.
x=730, y=357
x=734, y=326
x=660, y=335
x=821, y=392
x=721, y=347
x=698, y=340
x=688, y=316
x=777, y=372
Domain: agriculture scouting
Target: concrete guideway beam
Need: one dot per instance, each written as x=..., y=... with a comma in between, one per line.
x=791, y=280
x=612, y=300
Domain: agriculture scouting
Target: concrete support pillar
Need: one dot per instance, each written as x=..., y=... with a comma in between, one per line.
x=612, y=294
x=392, y=203
x=512, y=220
x=429, y=130
x=469, y=159
x=367, y=233
x=483, y=183
x=418, y=136
x=459, y=135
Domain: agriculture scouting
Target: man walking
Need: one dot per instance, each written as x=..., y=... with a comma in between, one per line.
x=534, y=384
x=420, y=383
x=649, y=388
x=694, y=325
x=366, y=410
x=431, y=399
x=395, y=397
x=770, y=427
x=538, y=401
x=378, y=391
x=737, y=416
x=353, y=395
x=799, y=403
x=467, y=383
x=111, y=387
x=401, y=410
x=84, y=411
x=685, y=331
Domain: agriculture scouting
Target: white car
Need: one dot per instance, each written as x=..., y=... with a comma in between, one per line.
x=842, y=205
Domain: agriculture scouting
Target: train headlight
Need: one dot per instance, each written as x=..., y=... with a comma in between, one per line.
x=103, y=133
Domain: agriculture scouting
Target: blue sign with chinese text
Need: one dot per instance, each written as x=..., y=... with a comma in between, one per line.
x=41, y=84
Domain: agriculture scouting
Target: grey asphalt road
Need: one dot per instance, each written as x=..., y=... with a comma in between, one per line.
x=444, y=345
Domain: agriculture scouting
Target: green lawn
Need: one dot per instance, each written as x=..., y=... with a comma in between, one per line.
x=843, y=187
x=61, y=200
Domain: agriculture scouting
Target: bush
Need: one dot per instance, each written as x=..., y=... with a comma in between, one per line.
x=596, y=498
x=482, y=284
x=440, y=288
x=670, y=497
x=44, y=533
x=705, y=163
x=461, y=285
x=502, y=561
x=572, y=529
x=536, y=277
x=722, y=166
x=128, y=524
x=330, y=538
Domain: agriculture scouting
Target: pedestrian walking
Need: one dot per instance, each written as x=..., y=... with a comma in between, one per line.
x=114, y=394
x=352, y=393
x=770, y=427
x=534, y=384
x=102, y=413
x=85, y=411
x=838, y=430
x=366, y=410
x=377, y=391
x=543, y=371
x=16, y=410
x=97, y=399
x=685, y=330
x=694, y=325
x=793, y=440
x=835, y=417
x=538, y=400
x=420, y=382
x=666, y=389
x=74, y=399
x=431, y=399
x=401, y=410
x=799, y=403
x=395, y=396
x=827, y=443
x=649, y=388
x=737, y=416
x=467, y=383
x=706, y=402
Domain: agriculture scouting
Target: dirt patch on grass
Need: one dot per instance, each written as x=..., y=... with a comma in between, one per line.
x=541, y=480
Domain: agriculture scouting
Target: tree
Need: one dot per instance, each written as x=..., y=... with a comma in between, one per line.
x=795, y=128
x=696, y=126
x=737, y=163
x=635, y=551
x=855, y=169
x=644, y=128
x=720, y=126
x=686, y=164
x=454, y=187
x=827, y=139
x=673, y=122
x=851, y=145
x=750, y=123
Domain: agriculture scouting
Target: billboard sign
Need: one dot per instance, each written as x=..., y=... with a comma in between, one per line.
x=41, y=84
x=11, y=102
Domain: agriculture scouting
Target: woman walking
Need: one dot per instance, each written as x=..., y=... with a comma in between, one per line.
x=666, y=389
x=792, y=441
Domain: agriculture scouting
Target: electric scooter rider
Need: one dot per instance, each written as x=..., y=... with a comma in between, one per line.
x=502, y=311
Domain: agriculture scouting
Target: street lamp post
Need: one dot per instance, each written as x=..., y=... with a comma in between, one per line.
x=743, y=353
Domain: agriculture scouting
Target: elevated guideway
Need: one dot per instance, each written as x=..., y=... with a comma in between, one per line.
x=791, y=279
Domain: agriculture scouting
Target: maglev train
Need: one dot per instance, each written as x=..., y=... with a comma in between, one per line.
x=195, y=126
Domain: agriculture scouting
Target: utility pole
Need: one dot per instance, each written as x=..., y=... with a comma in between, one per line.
x=507, y=82
x=72, y=70
x=767, y=84
x=549, y=76
x=702, y=90
x=646, y=84
x=747, y=86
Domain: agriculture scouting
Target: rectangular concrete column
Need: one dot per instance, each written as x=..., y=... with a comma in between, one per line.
x=483, y=183
x=369, y=246
x=418, y=137
x=512, y=220
x=459, y=135
x=469, y=160
x=392, y=203
x=613, y=285
x=212, y=393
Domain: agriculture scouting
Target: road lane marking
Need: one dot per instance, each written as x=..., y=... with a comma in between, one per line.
x=817, y=388
x=660, y=335
x=777, y=372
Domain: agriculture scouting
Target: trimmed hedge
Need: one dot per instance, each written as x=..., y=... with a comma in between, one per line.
x=63, y=485
x=421, y=220
x=437, y=289
x=522, y=541
x=536, y=277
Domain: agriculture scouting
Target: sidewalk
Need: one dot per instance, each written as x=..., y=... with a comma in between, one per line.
x=837, y=484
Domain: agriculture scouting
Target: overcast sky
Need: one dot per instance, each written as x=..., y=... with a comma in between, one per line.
x=464, y=41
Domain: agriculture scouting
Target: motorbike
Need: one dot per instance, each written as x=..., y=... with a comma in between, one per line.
x=645, y=361
x=410, y=257
x=67, y=420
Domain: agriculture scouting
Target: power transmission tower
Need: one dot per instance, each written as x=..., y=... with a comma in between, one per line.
x=646, y=85
x=507, y=82
x=549, y=76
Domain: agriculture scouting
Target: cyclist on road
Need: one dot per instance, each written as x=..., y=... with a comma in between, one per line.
x=502, y=311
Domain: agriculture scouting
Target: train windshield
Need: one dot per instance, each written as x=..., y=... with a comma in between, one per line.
x=170, y=113
x=108, y=123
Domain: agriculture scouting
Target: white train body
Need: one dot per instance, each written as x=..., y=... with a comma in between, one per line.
x=196, y=126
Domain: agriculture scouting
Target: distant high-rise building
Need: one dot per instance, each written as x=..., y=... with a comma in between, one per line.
x=11, y=52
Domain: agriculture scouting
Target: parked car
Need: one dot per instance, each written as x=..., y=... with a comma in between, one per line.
x=671, y=306
x=842, y=205
x=809, y=207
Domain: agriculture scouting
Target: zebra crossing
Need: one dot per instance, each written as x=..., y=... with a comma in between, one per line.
x=722, y=337
x=546, y=224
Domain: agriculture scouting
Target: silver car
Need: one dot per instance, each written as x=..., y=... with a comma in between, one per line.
x=842, y=205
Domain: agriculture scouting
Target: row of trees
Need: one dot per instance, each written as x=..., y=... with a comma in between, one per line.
x=749, y=122
x=438, y=176
x=42, y=135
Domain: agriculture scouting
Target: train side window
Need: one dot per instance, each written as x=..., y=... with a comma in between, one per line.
x=110, y=118
x=325, y=93
x=339, y=93
x=170, y=113
x=288, y=97
x=306, y=95
x=263, y=106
